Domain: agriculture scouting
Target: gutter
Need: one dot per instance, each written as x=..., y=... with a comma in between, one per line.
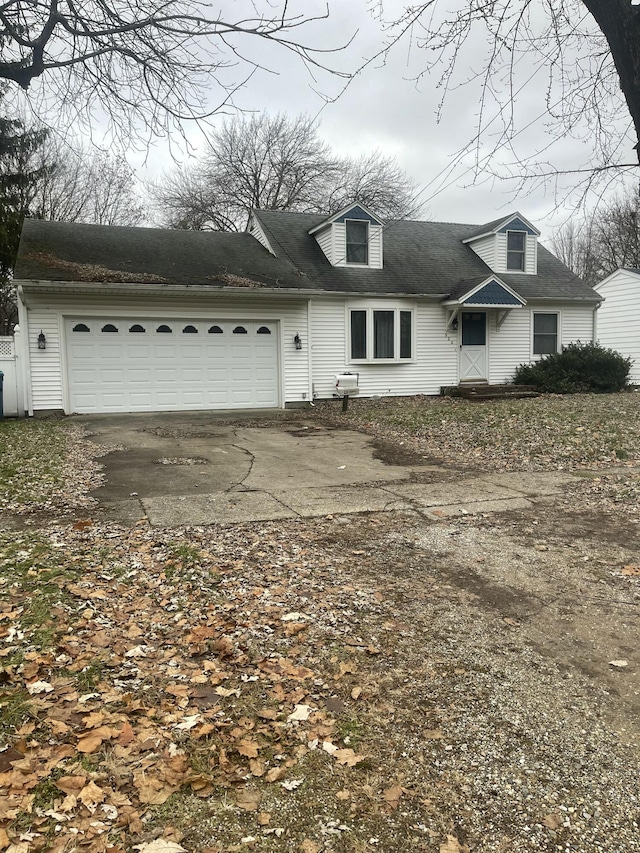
x=126, y=288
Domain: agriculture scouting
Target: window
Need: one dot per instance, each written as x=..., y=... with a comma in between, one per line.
x=380, y=334
x=189, y=330
x=80, y=327
x=109, y=328
x=357, y=241
x=164, y=329
x=239, y=330
x=215, y=330
x=516, y=242
x=137, y=328
x=263, y=330
x=545, y=334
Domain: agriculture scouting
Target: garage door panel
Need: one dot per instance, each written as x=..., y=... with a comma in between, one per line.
x=153, y=371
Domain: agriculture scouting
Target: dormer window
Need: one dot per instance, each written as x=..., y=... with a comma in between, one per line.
x=357, y=241
x=516, y=243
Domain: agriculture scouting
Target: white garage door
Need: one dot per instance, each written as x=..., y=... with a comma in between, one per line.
x=142, y=365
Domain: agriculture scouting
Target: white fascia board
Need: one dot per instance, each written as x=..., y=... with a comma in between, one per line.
x=331, y=219
x=501, y=225
x=612, y=276
x=490, y=278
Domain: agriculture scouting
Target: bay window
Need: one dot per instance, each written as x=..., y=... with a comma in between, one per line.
x=384, y=334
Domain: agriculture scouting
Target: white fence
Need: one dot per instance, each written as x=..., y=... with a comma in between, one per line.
x=12, y=385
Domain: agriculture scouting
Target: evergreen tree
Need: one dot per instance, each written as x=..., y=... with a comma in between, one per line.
x=18, y=178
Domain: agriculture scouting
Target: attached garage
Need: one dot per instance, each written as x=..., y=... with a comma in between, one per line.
x=141, y=364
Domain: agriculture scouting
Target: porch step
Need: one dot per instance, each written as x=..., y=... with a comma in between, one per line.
x=484, y=391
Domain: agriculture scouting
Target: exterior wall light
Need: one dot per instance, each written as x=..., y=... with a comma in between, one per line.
x=42, y=341
x=297, y=340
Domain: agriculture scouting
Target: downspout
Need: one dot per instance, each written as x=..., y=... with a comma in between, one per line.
x=25, y=355
x=595, y=322
x=309, y=357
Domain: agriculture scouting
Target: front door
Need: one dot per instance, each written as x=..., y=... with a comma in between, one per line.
x=473, y=347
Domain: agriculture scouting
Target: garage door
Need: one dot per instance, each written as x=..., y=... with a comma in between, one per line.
x=142, y=365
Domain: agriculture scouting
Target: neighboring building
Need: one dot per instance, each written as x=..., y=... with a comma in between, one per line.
x=618, y=326
x=135, y=319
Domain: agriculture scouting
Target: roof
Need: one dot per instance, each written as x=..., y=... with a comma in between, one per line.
x=515, y=221
x=420, y=258
x=427, y=258
x=63, y=251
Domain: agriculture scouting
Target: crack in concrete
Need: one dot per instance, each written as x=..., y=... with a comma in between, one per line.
x=296, y=514
x=252, y=459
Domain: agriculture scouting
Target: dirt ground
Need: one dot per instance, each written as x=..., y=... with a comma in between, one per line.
x=349, y=683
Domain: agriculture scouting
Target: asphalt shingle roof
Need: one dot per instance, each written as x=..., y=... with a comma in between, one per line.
x=425, y=258
x=63, y=251
x=419, y=258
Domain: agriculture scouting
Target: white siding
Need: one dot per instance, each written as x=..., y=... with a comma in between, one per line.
x=618, y=320
x=325, y=241
x=375, y=246
x=512, y=344
x=48, y=366
x=530, y=255
x=255, y=229
x=9, y=369
x=486, y=249
x=576, y=324
x=435, y=361
x=339, y=233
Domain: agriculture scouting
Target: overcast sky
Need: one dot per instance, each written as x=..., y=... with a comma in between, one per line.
x=385, y=108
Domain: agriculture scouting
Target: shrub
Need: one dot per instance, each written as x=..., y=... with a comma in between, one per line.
x=579, y=368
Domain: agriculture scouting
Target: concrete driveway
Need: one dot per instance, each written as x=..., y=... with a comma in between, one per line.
x=203, y=468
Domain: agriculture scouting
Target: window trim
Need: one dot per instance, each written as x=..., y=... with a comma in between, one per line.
x=366, y=244
x=558, y=348
x=369, y=311
x=523, y=268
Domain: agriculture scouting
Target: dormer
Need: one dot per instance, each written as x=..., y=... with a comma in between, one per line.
x=351, y=238
x=507, y=245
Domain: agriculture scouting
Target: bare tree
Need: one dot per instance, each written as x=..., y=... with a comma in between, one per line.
x=583, y=55
x=276, y=163
x=150, y=62
x=80, y=184
x=608, y=238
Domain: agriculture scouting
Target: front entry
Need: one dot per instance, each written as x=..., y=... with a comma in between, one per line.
x=473, y=347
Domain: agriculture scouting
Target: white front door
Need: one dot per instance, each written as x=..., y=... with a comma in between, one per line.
x=473, y=347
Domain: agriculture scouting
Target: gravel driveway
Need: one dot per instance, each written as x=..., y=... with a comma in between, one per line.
x=482, y=671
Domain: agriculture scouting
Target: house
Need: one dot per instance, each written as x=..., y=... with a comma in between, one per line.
x=619, y=317
x=133, y=319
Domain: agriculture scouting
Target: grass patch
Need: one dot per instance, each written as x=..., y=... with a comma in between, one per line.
x=32, y=455
x=544, y=433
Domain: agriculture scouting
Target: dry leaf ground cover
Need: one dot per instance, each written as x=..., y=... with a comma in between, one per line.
x=550, y=432
x=348, y=684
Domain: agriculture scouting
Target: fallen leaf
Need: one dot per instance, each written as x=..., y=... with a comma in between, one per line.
x=452, y=845
x=300, y=713
x=160, y=846
x=347, y=757
x=39, y=687
x=631, y=571
x=292, y=784
x=247, y=799
x=392, y=795
x=618, y=664
x=552, y=821
x=248, y=748
x=308, y=846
